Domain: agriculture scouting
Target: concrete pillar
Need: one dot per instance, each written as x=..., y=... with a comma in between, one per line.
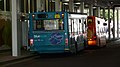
x=98, y=11
x=58, y=5
x=24, y=33
x=28, y=6
x=46, y=4
x=113, y=23
x=103, y=12
x=33, y=5
x=15, y=38
x=24, y=25
x=90, y=10
x=38, y=5
x=41, y=5
x=109, y=23
x=71, y=5
x=10, y=5
x=5, y=5
x=49, y=5
x=118, y=23
x=25, y=6
x=82, y=11
x=82, y=7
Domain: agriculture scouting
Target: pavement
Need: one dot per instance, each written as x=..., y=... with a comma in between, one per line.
x=6, y=55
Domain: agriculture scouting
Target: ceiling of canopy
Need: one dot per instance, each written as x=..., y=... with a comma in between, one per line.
x=100, y=3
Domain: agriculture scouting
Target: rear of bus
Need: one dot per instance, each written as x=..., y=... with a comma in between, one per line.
x=91, y=31
x=47, y=32
x=96, y=31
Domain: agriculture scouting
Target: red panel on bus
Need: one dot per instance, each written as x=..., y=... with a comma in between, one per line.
x=91, y=30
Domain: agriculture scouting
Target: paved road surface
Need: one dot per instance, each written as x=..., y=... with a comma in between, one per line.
x=103, y=57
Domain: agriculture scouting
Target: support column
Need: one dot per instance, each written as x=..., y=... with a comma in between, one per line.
x=41, y=5
x=71, y=5
x=24, y=27
x=24, y=6
x=10, y=5
x=24, y=33
x=28, y=6
x=117, y=23
x=98, y=11
x=113, y=24
x=58, y=5
x=38, y=5
x=46, y=5
x=82, y=11
x=103, y=12
x=4, y=5
x=109, y=23
x=33, y=6
x=82, y=7
x=15, y=39
x=91, y=10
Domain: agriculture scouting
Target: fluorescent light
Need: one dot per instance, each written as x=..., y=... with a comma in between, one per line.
x=65, y=3
x=94, y=7
x=77, y=3
x=66, y=0
x=77, y=16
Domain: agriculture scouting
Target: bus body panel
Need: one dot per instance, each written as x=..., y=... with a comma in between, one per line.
x=47, y=41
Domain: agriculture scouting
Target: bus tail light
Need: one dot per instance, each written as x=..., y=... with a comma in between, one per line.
x=66, y=41
x=92, y=42
x=62, y=15
x=95, y=37
x=31, y=42
x=33, y=16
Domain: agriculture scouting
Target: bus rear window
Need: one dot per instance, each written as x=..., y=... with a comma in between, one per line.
x=56, y=24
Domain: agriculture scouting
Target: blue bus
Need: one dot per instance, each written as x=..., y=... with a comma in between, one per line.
x=56, y=32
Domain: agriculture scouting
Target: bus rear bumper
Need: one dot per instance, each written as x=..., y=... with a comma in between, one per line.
x=91, y=42
x=53, y=51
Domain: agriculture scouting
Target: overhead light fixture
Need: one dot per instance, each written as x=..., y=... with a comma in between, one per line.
x=66, y=0
x=111, y=2
x=65, y=3
x=94, y=7
x=77, y=3
x=86, y=5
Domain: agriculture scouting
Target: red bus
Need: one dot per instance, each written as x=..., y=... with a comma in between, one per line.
x=96, y=31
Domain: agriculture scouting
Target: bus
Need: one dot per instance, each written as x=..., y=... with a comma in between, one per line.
x=96, y=31
x=56, y=32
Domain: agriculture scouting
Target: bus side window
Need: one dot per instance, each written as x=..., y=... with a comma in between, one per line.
x=98, y=22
